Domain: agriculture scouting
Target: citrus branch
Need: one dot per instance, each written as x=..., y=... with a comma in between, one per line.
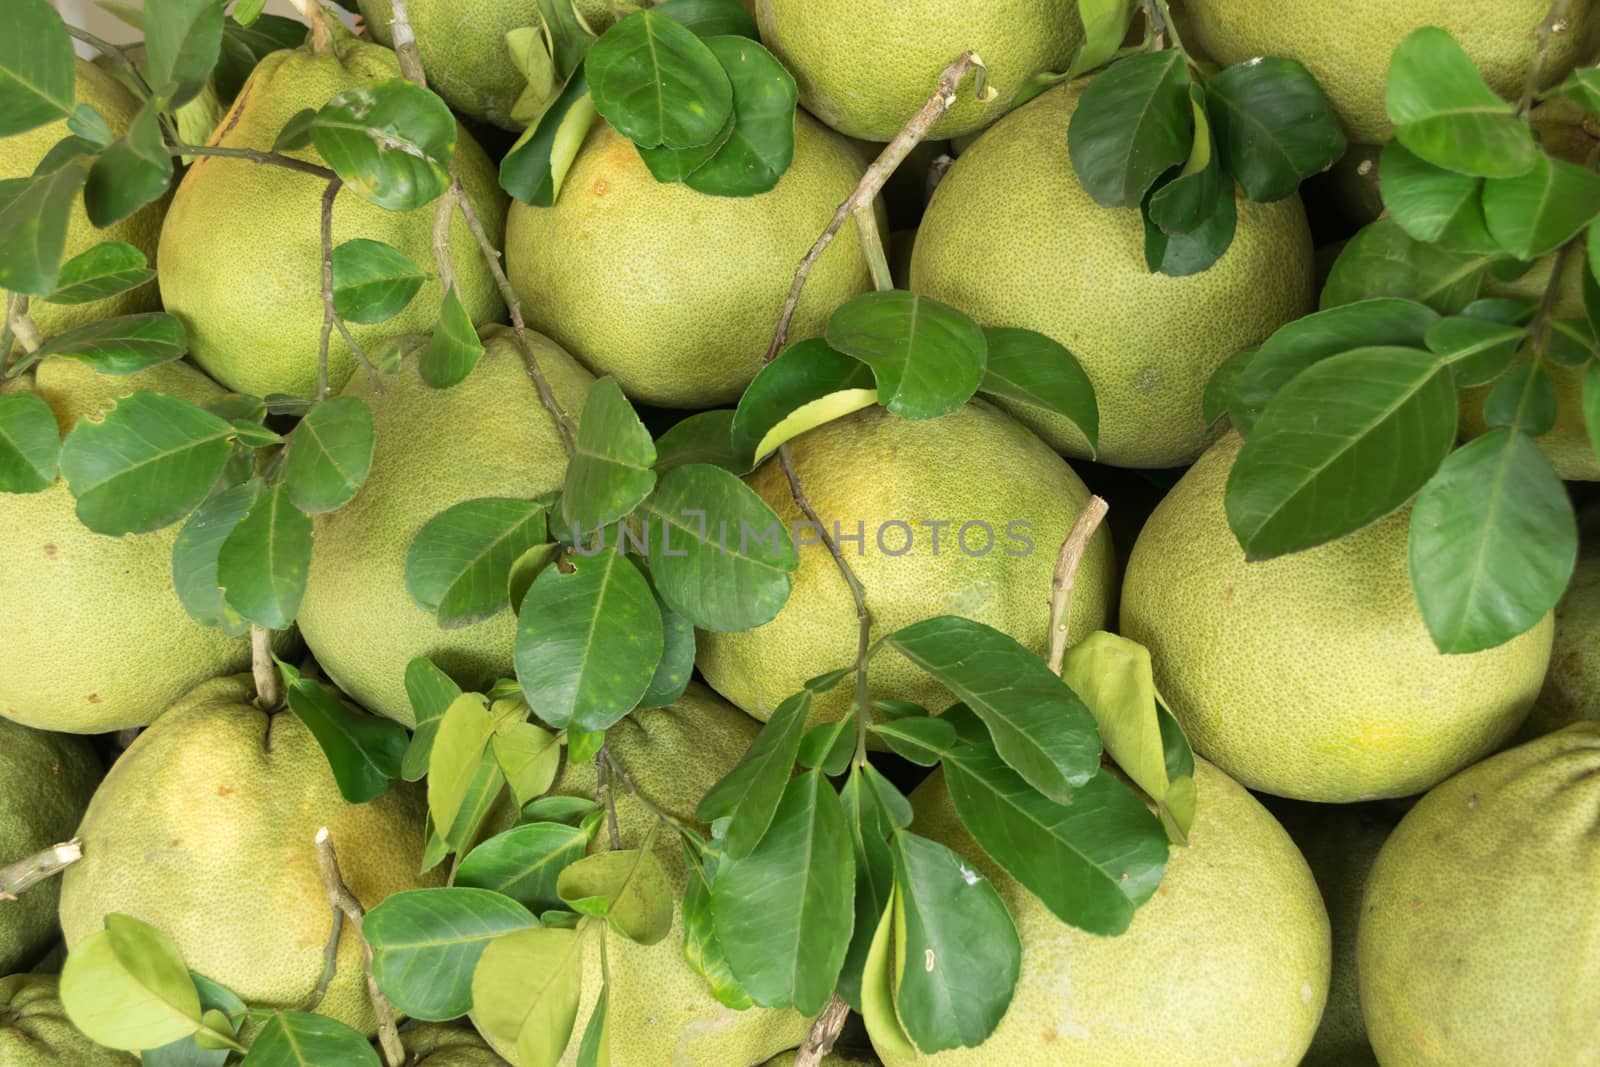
x=20, y=325
x=344, y=902
x=329, y=194
x=106, y=48
x=823, y=1033
x=602, y=793
x=269, y=685
x=405, y=44
x=1555, y=21
x=254, y=155
x=619, y=773
x=17, y=878
x=1066, y=575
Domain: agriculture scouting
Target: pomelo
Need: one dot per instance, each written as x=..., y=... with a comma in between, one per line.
x=447, y=1045
x=35, y=1030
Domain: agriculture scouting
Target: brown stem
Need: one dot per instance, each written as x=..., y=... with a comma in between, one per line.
x=602, y=790
x=619, y=774
x=872, y=181
x=16, y=878
x=329, y=315
x=344, y=901
x=330, y=962
x=823, y=1033
x=269, y=684
x=1066, y=574
x=22, y=326
x=405, y=44
x=254, y=155
x=1554, y=22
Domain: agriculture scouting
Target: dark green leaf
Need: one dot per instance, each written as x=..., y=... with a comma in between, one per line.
x=244, y=46
x=704, y=437
x=121, y=345
x=658, y=84
x=263, y=563
x=918, y=740
x=829, y=745
x=1524, y=400
x=194, y=557
x=458, y=562
x=373, y=281
x=182, y=39
x=1178, y=255
x=296, y=133
x=676, y=164
x=1382, y=260
x=749, y=794
x=677, y=659
x=134, y=171
x=777, y=405
x=1133, y=121
x=33, y=226
x=295, y=1039
x=36, y=67
x=1432, y=204
x=391, y=141
x=628, y=887
x=107, y=269
x=1180, y=204
x=1569, y=342
x=610, y=471
x=760, y=146
x=30, y=443
x=1039, y=725
x=534, y=169
x=1535, y=213
x=329, y=455
x=870, y=825
x=363, y=750
x=454, y=349
x=928, y=358
x=1493, y=543
x=710, y=18
x=1029, y=368
x=1445, y=113
x=524, y=862
x=1220, y=386
x=1274, y=125
x=426, y=943
x=430, y=692
x=1478, y=350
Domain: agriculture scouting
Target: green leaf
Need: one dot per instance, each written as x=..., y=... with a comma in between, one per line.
x=529, y=758
x=427, y=942
x=126, y=987
x=134, y=171
x=1029, y=368
x=457, y=564
x=182, y=40
x=1582, y=86
x=595, y=1048
x=877, y=991
x=1179, y=204
x=918, y=740
x=147, y=463
x=122, y=345
x=1132, y=122
x=719, y=555
x=208, y=1046
x=1432, y=204
x=562, y=809
x=701, y=949
x=454, y=349
x=569, y=36
x=263, y=563
x=460, y=748
x=1220, y=386
x=1383, y=260
x=526, y=568
x=33, y=226
x=1478, y=350
x=36, y=67
x=1445, y=113
x=961, y=950
x=610, y=471
x=1039, y=726
x=195, y=552
x=710, y=18
x=526, y=990
x=391, y=141
x=1091, y=862
x=537, y=164
x=1343, y=444
x=431, y=692
x=296, y=1039
x=677, y=659
x=928, y=358
x=1535, y=213
x=524, y=862
x=329, y=455
x=109, y=268
x=760, y=145
x=629, y=888
x=296, y=133
x=784, y=912
x=1274, y=125
x=1178, y=255
x=30, y=443
x=776, y=404
x=704, y=437
x=1570, y=342
x=588, y=641
x=870, y=824
x=749, y=794
x=373, y=281
x=1524, y=400
x=828, y=745
x=658, y=84
x=364, y=751
x=1493, y=543
x=1105, y=26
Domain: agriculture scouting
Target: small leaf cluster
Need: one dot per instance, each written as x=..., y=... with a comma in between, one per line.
x=1352, y=412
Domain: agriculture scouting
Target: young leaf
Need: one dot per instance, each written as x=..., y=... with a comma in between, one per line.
x=928, y=358
x=1383, y=260
x=33, y=226
x=658, y=84
x=222, y=1013
x=1274, y=125
x=36, y=67
x=1344, y=443
x=629, y=888
x=526, y=990
x=30, y=443
x=148, y=462
x=1029, y=368
x=458, y=562
x=264, y=561
x=431, y=692
x=182, y=40
x=529, y=757
x=329, y=455
x=961, y=950
x=760, y=144
x=1105, y=27
x=373, y=281
x=459, y=750
x=701, y=949
x=122, y=345
x=454, y=349
x=1535, y=213
x=1432, y=204
x=1445, y=113
x=870, y=825
x=877, y=991
x=133, y=171
x=297, y=1039
x=537, y=164
x=610, y=471
x=1493, y=543
x=804, y=373
x=427, y=942
x=391, y=141
x=195, y=552
x=1039, y=726
x=109, y=268
x=595, y=1048
x=524, y=862
x=126, y=987
x=749, y=794
x=784, y=913
x=1133, y=121
x=364, y=751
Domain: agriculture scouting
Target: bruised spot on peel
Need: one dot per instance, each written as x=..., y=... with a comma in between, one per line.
x=50, y=551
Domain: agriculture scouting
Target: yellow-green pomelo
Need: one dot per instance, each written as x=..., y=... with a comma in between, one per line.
x=463, y=49
x=661, y=1013
x=1013, y=239
x=676, y=293
x=1477, y=939
x=446, y=1045
x=241, y=250
x=95, y=638
x=205, y=829
x=832, y=1059
x=1347, y=43
x=487, y=436
x=865, y=67
x=1227, y=964
x=960, y=515
x=22, y=154
x=1312, y=675
x=45, y=783
x=35, y=1030
x=1571, y=690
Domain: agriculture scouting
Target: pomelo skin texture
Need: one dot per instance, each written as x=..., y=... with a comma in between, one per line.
x=977, y=465
x=447, y=1045
x=662, y=1013
x=833, y=1059
x=487, y=436
x=1477, y=939
x=205, y=828
x=676, y=293
x=45, y=783
x=141, y=229
x=95, y=638
x=1347, y=43
x=1012, y=238
x=1227, y=964
x=35, y=1030
x=866, y=66
x=1312, y=675
x=241, y=250
x=1571, y=690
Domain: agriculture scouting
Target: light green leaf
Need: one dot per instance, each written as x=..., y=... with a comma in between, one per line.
x=1535, y=213
x=459, y=746
x=526, y=990
x=1432, y=204
x=529, y=758
x=1445, y=113
x=109, y=268
x=629, y=888
x=296, y=1039
x=454, y=349
x=802, y=374
x=36, y=67
x=126, y=987
x=30, y=443
x=427, y=942
x=524, y=862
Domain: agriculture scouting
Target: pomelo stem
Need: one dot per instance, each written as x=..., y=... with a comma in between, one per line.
x=321, y=29
x=269, y=685
x=20, y=325
x=823, y=1033
x=344, y=902
x=405, y=43
x=19, y=877
x=1066, y=575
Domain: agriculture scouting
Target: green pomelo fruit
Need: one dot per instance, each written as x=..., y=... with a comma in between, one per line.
x=35, y=1030
x=1013, y=239
x=241, y=249
x=205, y=829
x=1312, y=675
x=1571, y=690
x=95, y=637
x=889, y=479
x=487, y=436
x=1477, y=940
x=447, y=1045
x=865, y=67
x=1227, y=964
x=673, y=292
